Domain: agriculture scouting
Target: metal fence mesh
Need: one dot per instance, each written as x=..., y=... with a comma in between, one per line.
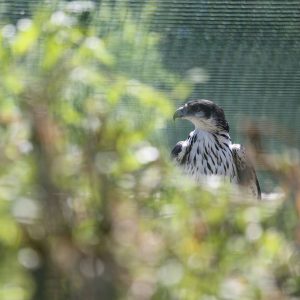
x=247, y=52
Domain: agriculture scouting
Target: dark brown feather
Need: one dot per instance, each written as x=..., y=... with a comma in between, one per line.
x=246, y=173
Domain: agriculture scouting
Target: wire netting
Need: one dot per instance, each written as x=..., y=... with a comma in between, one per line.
x=244, y=55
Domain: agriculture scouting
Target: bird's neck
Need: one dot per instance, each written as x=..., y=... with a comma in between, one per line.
x=221, y=135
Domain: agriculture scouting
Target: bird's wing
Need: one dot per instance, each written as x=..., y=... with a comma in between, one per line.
x=178, y=153
x=246, y=173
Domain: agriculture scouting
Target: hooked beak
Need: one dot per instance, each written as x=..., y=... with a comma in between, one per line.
x=180, y=113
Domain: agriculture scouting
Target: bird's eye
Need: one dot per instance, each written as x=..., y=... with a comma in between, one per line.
x=200, y=114
x=200, y=111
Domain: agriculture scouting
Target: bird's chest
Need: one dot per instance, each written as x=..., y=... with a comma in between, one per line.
x=208, y=155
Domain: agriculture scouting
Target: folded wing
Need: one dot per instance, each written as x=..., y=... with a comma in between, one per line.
x=246, y=173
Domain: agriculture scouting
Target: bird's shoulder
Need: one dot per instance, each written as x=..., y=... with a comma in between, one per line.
x=179, y=151
x=245, y=170
x=181, y=148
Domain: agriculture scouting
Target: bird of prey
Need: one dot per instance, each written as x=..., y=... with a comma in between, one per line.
x=209, y=151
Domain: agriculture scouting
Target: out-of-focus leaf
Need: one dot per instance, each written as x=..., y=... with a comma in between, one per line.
x=27, y=37
x=94, y=48
x=9, y=233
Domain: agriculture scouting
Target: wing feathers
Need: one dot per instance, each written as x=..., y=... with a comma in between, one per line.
x=179, y=152
x=176, y=150
x=246, y=173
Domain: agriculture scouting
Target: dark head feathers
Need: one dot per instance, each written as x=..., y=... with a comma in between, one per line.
x=205, y=109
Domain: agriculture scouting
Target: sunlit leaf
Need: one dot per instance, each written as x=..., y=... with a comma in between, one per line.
x=26, y=38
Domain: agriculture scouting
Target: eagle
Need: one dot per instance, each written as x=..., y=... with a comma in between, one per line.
x=208, y=150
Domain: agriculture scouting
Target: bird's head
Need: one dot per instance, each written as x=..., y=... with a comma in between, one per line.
x=204, y=114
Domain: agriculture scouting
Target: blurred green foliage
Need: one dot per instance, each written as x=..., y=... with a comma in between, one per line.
x=90, y=207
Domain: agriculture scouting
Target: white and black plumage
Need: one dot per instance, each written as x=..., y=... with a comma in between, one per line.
x=208, y=149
